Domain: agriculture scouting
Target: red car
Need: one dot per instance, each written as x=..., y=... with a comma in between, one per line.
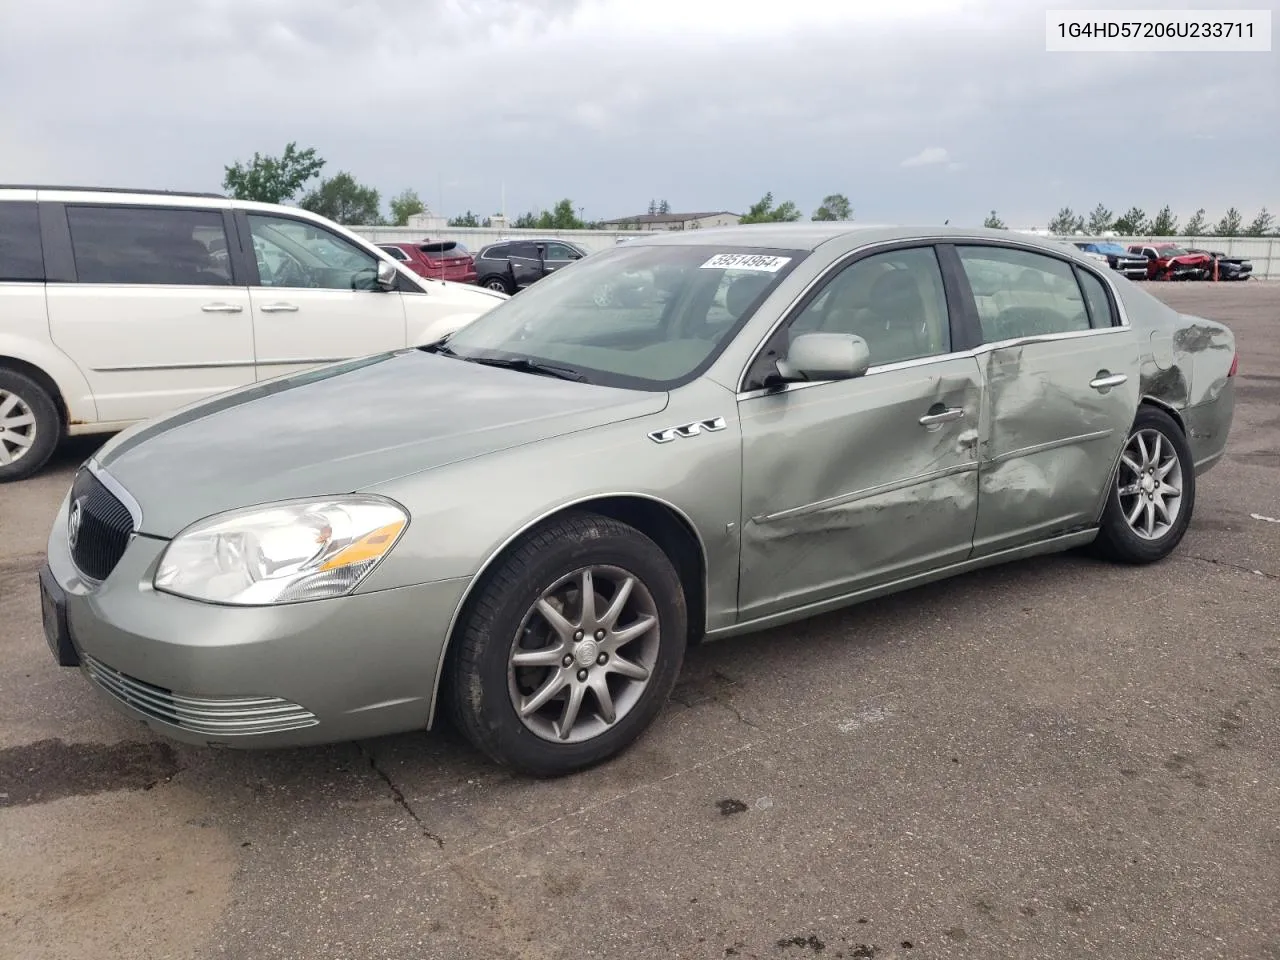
x=1168, y=261
x=438, y=259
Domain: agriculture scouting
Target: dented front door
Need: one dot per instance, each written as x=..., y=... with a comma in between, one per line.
x=854, y=483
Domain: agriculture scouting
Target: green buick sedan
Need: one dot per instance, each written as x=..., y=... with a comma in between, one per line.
x=528, y=522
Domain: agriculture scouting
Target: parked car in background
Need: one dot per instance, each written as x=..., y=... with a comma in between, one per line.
x=528, y=523
x=438, y=259
x=1229, y=268
x=1168, y=261
x=511, y=265
x=1131, y=265
x=117, y=306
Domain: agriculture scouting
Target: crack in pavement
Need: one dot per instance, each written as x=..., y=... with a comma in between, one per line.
x=1232, y=566
x=398, y=795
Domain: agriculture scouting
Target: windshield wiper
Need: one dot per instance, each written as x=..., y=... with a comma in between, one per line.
x=527, y=365
x=523, y=364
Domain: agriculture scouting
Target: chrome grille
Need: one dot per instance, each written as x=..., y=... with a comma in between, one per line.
x=222, y=716
x=99, y=527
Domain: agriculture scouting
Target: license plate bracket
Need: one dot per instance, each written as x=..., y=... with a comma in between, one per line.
x=53, y=615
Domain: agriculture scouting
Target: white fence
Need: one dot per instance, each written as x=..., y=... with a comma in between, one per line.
x=1264, y=252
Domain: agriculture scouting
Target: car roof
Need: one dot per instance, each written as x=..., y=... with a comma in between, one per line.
x=809, y=236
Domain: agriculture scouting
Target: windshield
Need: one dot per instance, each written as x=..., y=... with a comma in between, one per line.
x=1109, y=248
x=642, y=317
x=1171, y=251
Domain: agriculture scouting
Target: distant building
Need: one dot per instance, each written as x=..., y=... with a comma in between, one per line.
x=674, y=221
x=426, y=220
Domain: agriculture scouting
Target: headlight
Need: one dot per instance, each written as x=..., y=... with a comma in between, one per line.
x=283, y=552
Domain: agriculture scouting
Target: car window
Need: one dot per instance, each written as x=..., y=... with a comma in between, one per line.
x=21, y=257
x=1095, y=297
x=558, y=251
x=396, y=252
x=637, y=316
x=294, y=253
x=895, y=301
x=1022, y=294
x=149, y=245
x=527, y=251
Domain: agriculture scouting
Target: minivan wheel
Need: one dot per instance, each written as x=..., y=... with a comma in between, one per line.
x=499, y=284
x=1152, y=492
x=570, y=648
x=30, y=427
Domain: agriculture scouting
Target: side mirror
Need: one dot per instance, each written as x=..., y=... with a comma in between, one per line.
x=825, y=356
x=388, y=275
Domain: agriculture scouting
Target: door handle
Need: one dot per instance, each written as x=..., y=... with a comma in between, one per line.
x=222, y=308
x=1107, y=381
x=946, y=416
x=279, y=308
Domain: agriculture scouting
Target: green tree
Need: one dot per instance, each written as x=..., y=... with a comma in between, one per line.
x=834, y=207
x=1229, y=225
x=1133, y=223
x=404, y=206
x=664, y=208
x=1100, y=221
x=1165, y=224
x=560, y=217
x=1196, y=226
x=993, y=222
x=1261, y=224
x=272, y=179
x=1066, y=222
x=343, y=200
x=765, y=212
x=526, y=221
x=468, y=219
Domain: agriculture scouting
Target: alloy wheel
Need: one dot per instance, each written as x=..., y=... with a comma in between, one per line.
x=1149, y=483
x=17, y=427
x=584, y=654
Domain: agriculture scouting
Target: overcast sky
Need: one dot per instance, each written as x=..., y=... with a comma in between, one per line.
x=917, y=110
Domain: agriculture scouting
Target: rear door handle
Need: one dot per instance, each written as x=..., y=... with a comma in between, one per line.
x=946, y=416
x=222, y=308
x=1107, y=381
x=279, y=308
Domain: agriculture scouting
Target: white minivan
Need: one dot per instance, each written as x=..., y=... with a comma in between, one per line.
x=117, y=306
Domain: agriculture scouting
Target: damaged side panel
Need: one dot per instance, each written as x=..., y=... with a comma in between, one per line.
x=844, y=487
x=1052, y=432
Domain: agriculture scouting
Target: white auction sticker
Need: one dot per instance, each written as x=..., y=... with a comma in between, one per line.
x=746, y=261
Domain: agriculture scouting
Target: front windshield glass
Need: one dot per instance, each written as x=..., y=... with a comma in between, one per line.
x=648, y=317
x=1110, y=248
x=1171, y=251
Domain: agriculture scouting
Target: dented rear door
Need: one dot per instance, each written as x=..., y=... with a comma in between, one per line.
x=855, y=483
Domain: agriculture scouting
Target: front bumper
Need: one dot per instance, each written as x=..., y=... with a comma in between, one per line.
x=280, y=676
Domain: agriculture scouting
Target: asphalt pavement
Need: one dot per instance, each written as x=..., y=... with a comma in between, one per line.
x=1055, y=759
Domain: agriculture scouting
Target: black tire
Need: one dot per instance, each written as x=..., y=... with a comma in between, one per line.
x=498, y=283
x=476, y=679
x=47, y=425
x=1116, y=539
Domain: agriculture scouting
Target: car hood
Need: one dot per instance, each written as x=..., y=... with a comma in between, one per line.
x=344, y=427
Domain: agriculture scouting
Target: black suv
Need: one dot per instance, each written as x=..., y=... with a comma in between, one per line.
x=512, y=265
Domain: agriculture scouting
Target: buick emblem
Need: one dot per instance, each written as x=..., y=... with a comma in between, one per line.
x=73, y=524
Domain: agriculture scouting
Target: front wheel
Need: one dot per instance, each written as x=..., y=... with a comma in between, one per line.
x=1152, y=492
x=570, y=648
x=30, y=427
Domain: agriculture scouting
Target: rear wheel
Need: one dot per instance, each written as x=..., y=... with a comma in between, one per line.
x=30, y=427
x=570, y=648
x=497, y=283
x=1152, y=493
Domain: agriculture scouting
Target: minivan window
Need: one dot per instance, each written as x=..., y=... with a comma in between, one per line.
x=21, y=257
x=149, y=245
x=294, y=253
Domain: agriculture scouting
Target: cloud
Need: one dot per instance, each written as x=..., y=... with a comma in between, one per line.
x=612, y=103
x=928, y=157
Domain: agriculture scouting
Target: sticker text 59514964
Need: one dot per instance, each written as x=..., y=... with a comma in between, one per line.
x=746, y=261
